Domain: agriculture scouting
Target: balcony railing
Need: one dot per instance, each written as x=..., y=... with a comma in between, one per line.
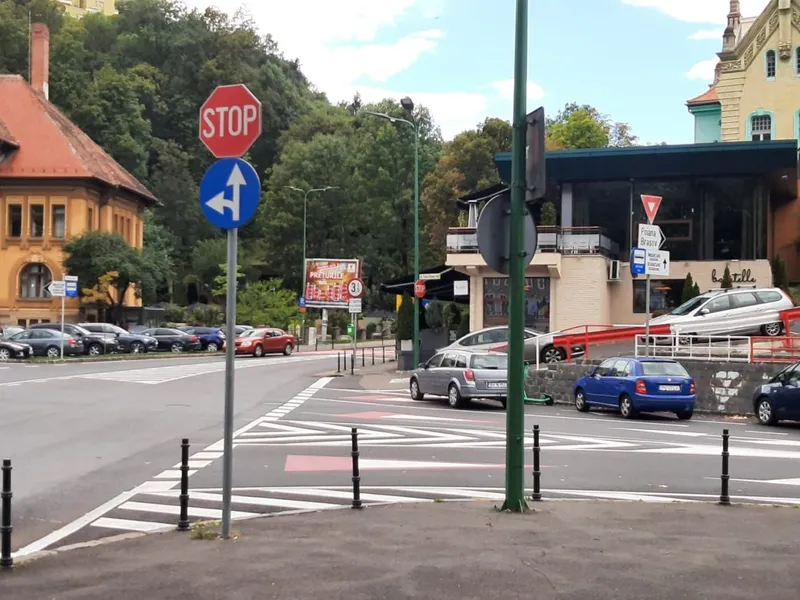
x=563, y=240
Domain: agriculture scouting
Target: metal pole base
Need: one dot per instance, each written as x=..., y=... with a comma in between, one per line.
x=519, y=506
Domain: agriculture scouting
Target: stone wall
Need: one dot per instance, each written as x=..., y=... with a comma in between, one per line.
x=722, y=388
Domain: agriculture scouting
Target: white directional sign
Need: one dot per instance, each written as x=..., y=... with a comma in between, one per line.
x=657, y=263
x=650, y=237
x=430, y=276
x=355, y=306
x=57, y=289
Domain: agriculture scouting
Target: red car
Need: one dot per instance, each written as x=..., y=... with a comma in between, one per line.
x=259, y=342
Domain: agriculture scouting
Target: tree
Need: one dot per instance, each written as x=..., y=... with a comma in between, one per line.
x=548, y=216
x=158, y=255
x=434, y=315
x=727, y=282
x=779, y=278
x=690, y=289
x=221, y=281
x=267, y=303
x=583, y=126
x=405, y=319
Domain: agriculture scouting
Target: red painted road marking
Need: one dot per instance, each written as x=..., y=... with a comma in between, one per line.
x=317, y=464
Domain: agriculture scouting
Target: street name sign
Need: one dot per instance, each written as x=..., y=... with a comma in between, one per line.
x=230, y=193
x=657, y=263
x=650, y=237
x=651, y=205
x=430, y=276
x=230, y=121
x=638, y=260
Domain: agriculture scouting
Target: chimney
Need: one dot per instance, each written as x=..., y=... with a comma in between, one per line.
x=40, y=59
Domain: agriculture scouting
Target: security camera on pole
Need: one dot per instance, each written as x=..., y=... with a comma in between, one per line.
x=230, y=121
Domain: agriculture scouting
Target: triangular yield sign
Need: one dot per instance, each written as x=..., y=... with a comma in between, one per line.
x=651, y=205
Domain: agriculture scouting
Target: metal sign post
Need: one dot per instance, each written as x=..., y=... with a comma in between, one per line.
x=229, y=195
x=650, y=238
x=59, y=289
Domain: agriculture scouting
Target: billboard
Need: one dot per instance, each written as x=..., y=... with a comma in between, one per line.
x=327, y=279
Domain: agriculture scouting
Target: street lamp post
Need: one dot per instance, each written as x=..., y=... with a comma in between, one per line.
x=408, y=105
x=305, y=222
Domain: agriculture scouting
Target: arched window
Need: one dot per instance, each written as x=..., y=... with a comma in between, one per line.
x=771, y=65
x=33, y=280
x=761, y=127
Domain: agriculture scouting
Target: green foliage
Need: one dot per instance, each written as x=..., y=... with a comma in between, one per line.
x=463, y=326
x=175, y=314
x=221, y=281
x=779, y=277
x=405, y=319
x=451, y=315
x=727, y=282
x=267, y=303
x=158, y=256
x=690, y=289
x=584, y=126
x=208, y=315
x=434, y=315
x=548, y=216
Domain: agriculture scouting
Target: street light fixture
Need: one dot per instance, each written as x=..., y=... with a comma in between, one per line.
x=408, y=106
x=305, y=221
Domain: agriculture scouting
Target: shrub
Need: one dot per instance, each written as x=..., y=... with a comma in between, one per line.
x=174, y=314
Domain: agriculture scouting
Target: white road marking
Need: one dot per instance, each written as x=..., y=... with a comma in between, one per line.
x=130, y=525
x=252, y=500
x=764, y=432
x=165, y=509
x=664, y=431
x=795, y=481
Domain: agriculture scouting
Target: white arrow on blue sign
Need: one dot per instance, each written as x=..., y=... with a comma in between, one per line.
x=229, y=193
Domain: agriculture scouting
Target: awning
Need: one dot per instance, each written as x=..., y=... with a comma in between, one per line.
x=436, y=289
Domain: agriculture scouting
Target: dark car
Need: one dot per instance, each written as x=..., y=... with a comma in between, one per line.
x=173, y=340
x=212, y=339
x=8, y=330
x=779, y=398
x=134, y=343
x=46, y=342
x=9, y=350
x=94, y=344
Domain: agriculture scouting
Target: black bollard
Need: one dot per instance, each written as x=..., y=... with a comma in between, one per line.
x=362, y=357
x=724, y=498
x=373, y=356
x=338, y=362
x=384, y=353
x=316, y=343
x=356, y=473
x=353, y=363
x=6, y=562
x=537, y=472
x=333, y=343
x=183, y=520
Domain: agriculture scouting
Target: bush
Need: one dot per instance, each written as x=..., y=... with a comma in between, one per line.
x=434, y=315
x=405, y=319
x=174, y=314
x=548, y=215
x=690, y=289
x=463, y=327
x=779, y=278
x=371, y=328
x=727, y=282
x=209, y=315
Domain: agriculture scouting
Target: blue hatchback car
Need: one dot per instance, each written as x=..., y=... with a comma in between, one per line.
x=634, y=385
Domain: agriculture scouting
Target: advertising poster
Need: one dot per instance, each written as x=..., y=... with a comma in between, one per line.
x=327, y=279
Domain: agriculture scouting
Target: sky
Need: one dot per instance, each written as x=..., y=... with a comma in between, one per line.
x=637, y=61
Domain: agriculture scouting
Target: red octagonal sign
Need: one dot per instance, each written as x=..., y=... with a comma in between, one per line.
x=230, y=121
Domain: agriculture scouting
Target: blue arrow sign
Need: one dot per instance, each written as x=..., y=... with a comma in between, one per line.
x=638, y=260
x=229, y=193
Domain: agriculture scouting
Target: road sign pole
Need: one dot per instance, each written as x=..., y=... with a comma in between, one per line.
x=230, y=349
x=62, y=326
x=647, y=316
x=515, y=410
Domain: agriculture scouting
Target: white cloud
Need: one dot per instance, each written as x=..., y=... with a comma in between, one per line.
x=704, y=70
x=700, y=11
x=505, y=88
x=707, y=34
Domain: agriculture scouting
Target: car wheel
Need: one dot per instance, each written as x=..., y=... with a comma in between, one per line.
x=414, y=389
x=685, y=415
x=258, y=352
x=137, y=348
x=5, y=354
x=454, y=398
x=765, y=413
x=53, y=352
x=176, y=348
x=580, y=401
x=212, y=347
x=95, y=349
x=287, y=349
x=626, y=407
x=772, y=329
x=551, y=354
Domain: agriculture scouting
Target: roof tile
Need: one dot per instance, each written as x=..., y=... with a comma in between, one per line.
x=708, y=97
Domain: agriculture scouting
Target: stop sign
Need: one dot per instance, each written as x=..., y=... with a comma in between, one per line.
x=230, y=121
x=419, y=289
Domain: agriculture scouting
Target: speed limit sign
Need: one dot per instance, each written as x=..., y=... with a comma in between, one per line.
x=355, y=288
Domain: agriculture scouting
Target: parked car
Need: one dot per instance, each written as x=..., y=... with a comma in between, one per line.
x=173, y=340
x=9, y=330
x=634, y=385
x=94, y=344
x=496, y=339
x=779, y=398
x=212, y=339
x=736, y=311
x=259, y=342
x=240, y=329
x=133, y=343
x=9, y=350
x=47, y=342
x=461, y=377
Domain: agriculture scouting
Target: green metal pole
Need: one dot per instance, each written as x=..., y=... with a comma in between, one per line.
x=416, y=245
x=303, y=291
x=515, y=406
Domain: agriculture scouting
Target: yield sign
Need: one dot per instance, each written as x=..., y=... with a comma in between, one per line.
x=651, y=204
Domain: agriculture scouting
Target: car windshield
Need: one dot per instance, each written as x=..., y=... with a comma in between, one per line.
x=689, y=306
x=663, y=368
x=254, y=333
x=489, y=361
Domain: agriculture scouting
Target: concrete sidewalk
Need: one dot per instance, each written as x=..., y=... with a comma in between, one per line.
x=575, y=550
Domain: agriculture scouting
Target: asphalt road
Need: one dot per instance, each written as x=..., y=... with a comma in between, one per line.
x=96, y=453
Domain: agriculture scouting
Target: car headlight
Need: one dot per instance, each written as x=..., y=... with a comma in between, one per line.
x=246, y=343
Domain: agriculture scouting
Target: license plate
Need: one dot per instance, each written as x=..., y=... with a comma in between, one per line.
x=669, y=388
x=496, y=384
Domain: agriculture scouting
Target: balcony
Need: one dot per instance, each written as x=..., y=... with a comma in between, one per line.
x=561, y=240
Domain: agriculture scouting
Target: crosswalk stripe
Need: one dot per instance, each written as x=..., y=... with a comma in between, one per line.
x=253, y=500
x=130, y=525
x=344, y=495
x=167, y=509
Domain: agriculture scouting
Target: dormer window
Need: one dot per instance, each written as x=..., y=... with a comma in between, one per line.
x=771, y=64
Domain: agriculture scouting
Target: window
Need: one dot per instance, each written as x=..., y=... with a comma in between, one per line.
x=461, y=362
x=537, y=302
x=761, y=128
x=435, y=361
x=771, y=66
x=768, y=296
x=15, y=221
x=663, y=368
x=449, y=360
x=33, y=279
x=719, y=304
x=37, y=220
x=744, y=300
x=90, y=220
x=59, y=217
x=489, y=361
x=619, y=368
x=605, y=367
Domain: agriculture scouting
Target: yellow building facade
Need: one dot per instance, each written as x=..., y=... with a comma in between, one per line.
x=78, y=8
x=756, y=90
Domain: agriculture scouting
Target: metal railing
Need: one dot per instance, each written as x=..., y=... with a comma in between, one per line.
x=783, y=349
x=563, y=240
x=728, y=348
